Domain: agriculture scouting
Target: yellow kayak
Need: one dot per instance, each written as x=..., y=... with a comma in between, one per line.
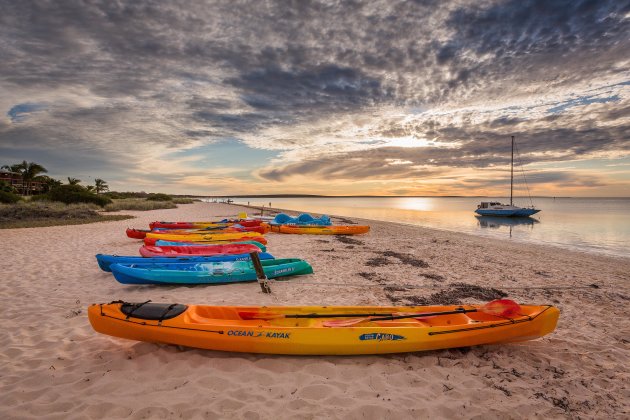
x=321, y=230
x=197, y=237
x=318, y=330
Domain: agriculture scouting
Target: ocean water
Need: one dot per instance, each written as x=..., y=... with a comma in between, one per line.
x=600, y=225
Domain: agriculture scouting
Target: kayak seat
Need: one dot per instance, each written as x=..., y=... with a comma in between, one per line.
x=152, y=311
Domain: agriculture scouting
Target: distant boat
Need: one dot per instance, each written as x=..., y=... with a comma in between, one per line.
x=493, y=208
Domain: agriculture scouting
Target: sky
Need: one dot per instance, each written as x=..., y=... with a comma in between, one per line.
x=320, y=97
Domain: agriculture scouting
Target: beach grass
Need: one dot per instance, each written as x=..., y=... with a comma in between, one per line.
x=46, y=213
x=139, y=204
x=183, y=200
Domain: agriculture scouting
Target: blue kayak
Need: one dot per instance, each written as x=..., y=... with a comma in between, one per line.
x=302, y=219
x=104, y=261
x=206, y=272
x=160, y=242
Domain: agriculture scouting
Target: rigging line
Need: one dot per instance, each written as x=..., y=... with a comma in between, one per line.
x=520, y=163
x=413, y=286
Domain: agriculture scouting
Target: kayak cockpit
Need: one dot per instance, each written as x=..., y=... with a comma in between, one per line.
x=152, y=311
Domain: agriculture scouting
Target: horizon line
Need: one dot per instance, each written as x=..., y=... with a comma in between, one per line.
x=384, y=196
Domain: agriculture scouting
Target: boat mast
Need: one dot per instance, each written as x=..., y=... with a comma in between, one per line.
x=512, y=172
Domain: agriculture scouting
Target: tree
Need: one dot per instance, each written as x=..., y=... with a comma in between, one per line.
x=100, y=185
x=12, y=168
x=90, y=188
x=29, y=171
x=48, y=182
x=73, y=181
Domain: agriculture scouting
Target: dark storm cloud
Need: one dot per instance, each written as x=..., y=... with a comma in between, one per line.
x=329, y=88
x=173, y=72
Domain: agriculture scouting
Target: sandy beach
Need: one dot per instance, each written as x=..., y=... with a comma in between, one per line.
x=53, y=365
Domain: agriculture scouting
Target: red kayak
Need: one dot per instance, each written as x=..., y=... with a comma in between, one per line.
x=201, y=251
x=137, y=233
x=260, y=239
x=197, y=225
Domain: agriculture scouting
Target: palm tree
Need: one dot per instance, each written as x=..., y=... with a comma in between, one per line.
x=48, y=182
x=73, y=181
x=100, y=185
x=28, y=170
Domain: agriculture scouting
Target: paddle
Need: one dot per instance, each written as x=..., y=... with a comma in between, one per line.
x=501, y=308
x=260, y=272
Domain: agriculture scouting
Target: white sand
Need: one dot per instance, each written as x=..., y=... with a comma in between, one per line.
x=54, y=365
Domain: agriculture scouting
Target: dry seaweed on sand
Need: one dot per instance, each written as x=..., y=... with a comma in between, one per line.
x=347, y=240
x=378, y=262
x=407, y=259
x=455, y=295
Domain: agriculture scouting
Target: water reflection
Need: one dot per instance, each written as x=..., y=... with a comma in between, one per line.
x=497, y=222
x=588, y=224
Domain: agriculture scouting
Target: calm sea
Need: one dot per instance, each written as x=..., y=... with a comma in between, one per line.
x=589, y=224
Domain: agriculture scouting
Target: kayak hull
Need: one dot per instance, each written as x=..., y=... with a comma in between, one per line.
x=202, y=225
x=223, y=272
x=136, y=233
x=222, y=328
x=161, y=251
x=259, y=239
x=195, y=237
x=321, y=230
x=212, y=230
x=105, y=261
x=176, y=243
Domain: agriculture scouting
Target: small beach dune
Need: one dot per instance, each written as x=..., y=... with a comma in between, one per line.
x=55, y=366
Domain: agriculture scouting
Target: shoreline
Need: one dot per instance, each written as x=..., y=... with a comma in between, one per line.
x=55, y=364
x=340, y=219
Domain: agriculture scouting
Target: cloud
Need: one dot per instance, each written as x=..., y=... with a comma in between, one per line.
x=332, y=86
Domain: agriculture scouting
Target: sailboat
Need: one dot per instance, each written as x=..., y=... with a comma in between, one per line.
x=492, y=208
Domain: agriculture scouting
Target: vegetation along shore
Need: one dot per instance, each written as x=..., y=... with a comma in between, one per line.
x=28, y=198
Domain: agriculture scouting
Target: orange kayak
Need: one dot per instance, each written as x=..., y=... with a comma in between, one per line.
x=319, y=330
x=321, y=230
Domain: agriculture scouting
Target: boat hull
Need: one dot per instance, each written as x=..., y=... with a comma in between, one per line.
x=205, y=273
x=195, y=237
x=518, y=212
x=321, y=230
x=221, y=328
x=247, y=239
x=208, y=250
x=202, y=225
x=105, y=261
x=176, y=243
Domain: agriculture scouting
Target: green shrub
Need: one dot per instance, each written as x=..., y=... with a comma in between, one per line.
x=183, y=200
x=159, y=197
x=40, y=197
x=77, y=194
x=6, y=187
x=118, y=195
x=8, y=197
